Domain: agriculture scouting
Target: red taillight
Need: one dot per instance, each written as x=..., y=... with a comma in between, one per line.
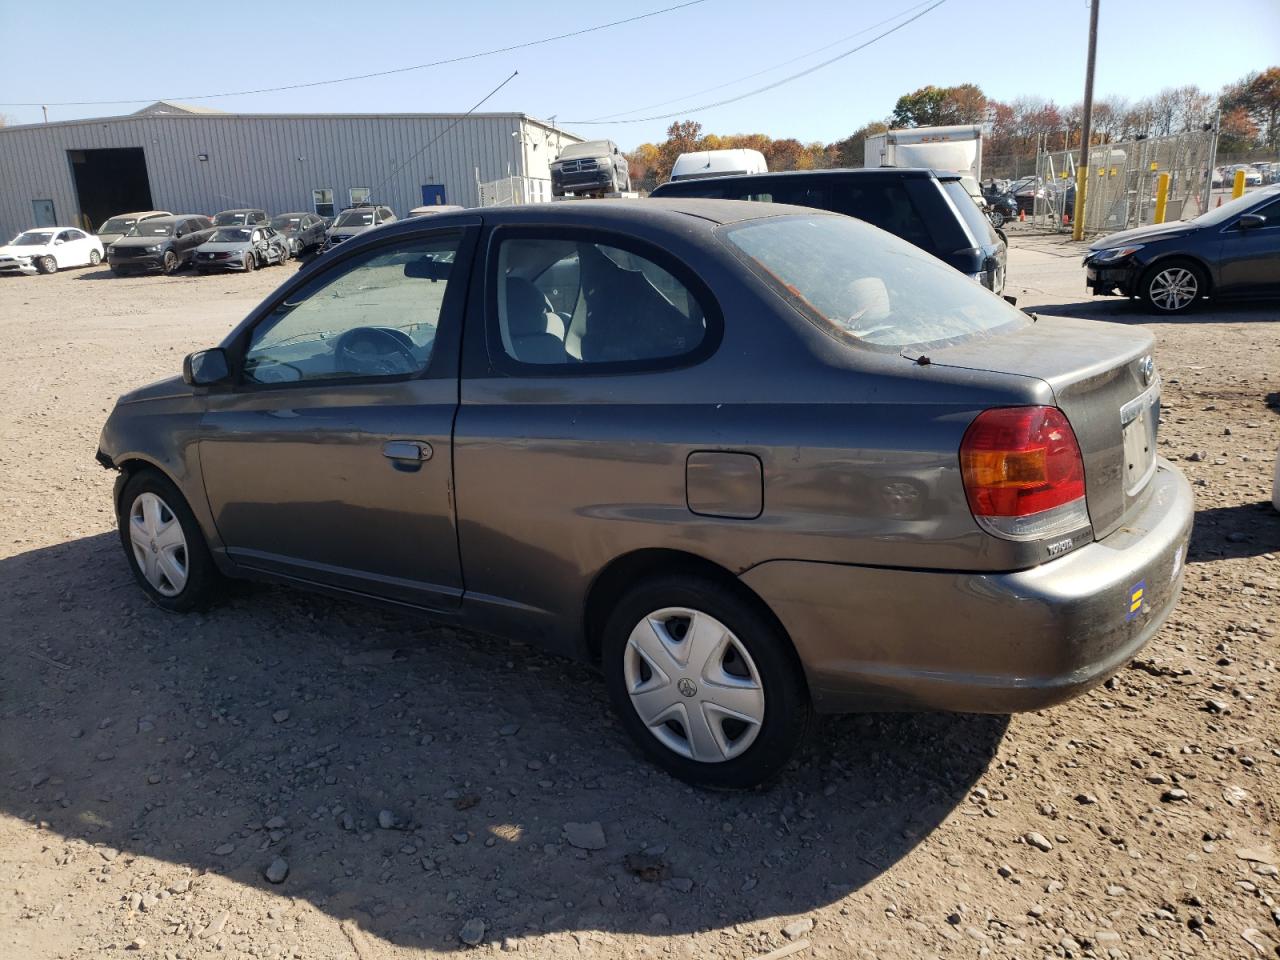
x=1019, y=461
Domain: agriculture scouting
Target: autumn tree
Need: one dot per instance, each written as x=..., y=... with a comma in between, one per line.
x=850, y=151
x=932, y=106
x=1258, y=96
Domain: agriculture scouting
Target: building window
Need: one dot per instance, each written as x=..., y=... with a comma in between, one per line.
x=322, y=200
x=359, y=195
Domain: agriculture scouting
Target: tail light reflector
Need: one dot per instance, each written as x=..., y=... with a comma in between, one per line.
x=1023, y=473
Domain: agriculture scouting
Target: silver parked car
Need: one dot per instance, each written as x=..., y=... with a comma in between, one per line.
x=241, y=248
x=753, y=460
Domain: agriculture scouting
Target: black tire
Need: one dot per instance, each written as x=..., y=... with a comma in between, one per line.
x=996, y=218
x=204, y=582
x=47, y=264
x=250, y=263
x=169, y=264
x=1154, y=289
x=95, y=258
x=787, y=707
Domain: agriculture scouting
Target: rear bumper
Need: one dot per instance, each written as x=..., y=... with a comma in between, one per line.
x=882, y=639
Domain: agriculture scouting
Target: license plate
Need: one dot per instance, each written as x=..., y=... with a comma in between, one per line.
x=1140, y=419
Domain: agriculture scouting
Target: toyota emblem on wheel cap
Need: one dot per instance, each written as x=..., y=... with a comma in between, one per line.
x=687, y=687
x=1148, y=368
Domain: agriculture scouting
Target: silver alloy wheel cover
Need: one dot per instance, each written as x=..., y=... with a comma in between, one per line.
x=1173, y=288
x=159, y=545
x=688, y=684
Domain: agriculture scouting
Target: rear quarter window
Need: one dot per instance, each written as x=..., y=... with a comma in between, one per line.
x=970, y=212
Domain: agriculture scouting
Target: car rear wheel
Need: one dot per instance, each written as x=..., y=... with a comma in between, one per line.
x=1173, y=287
x=706, y=684
x=95, y=258
x=47, y=265
x=165, y=547
x=996, y=218
x=170, y=262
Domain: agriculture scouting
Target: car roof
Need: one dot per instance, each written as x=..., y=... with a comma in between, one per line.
x=295, y=213
x=896, y=172
x=673, y=213
x=149, y=214
x=241, y=210
x=175, y=217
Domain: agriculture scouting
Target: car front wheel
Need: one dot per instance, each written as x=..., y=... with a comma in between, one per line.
x=47, y=265
x=170, y=262
x=1173, y=287
x=163, y=542
x=706, y=684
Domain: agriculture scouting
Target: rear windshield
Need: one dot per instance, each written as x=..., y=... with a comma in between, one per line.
x=911, y=209
x=970, y=212
x=228, y=218
x=117, y=225
x=863, y=285
x=284, y=222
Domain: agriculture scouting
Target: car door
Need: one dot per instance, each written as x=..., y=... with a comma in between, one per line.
x=63, y=249
x=76, y=248
x=1250, y=258
x=330, y=460
x=580, y=354
x=184, y=240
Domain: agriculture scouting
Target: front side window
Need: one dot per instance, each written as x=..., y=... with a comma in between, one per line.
x=871, y=289
x=373, y=316
x=322, y=202
x=581, y=303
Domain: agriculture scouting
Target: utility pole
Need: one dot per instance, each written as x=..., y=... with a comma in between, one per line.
x=1086, y=132
x=45, y=110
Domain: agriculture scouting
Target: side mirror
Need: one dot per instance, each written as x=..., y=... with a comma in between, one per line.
x=206, y=367
x=58, y=241
x=1251, y=221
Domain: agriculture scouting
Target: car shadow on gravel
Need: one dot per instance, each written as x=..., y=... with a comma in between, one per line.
x=180, y=738
x=1119, y=310
x=1228, y=533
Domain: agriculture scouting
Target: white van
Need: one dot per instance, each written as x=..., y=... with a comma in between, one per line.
x=718, y=163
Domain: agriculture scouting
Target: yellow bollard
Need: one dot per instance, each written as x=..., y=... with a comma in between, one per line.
x=1077, y=215
x=1162, y=196
x=1238, y=189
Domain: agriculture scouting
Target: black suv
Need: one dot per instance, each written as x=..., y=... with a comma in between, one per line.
x=931, y=209
x=161, y=243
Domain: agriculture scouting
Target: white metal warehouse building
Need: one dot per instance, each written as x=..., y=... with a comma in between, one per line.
x=192, y=160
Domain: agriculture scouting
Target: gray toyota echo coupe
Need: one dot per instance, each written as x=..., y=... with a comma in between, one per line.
x=753, y=460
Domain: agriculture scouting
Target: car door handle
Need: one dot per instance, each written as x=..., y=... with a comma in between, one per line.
x=415, y=450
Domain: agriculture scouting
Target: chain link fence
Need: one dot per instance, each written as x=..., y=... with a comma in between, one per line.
x=509, y=191
x=1122, y=183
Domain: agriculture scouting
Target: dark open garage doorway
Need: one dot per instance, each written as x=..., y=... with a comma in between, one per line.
x=109, y=182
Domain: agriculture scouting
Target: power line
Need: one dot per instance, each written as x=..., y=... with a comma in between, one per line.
x=767, y=87
x=368, y=76
x=776, y=66
x=456, y=120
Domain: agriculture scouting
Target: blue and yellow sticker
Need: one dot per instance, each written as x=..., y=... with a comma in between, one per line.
x=1136, y=593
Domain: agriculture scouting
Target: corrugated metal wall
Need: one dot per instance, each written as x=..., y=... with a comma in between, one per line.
x=273, y=162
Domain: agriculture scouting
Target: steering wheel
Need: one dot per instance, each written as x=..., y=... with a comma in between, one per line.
x=376, y=351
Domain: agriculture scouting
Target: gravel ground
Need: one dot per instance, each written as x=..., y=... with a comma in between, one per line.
x=292, y=776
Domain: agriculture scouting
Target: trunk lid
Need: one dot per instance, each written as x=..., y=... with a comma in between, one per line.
x=1103, y=378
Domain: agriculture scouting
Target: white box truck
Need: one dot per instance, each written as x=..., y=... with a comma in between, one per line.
x=956, y=149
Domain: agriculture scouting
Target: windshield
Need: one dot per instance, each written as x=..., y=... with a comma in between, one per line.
x=33, y=238
x=1232, y=208
x=117, y=225
x=592, y=148
x=149, y=228
x=228, y=218
x=862, y=284
x=286, y=223
x=232, y=235
x=354, y=218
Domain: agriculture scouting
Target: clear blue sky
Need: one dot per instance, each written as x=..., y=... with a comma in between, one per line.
x=1008, y=47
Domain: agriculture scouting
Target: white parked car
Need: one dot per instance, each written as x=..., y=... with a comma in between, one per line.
x=49, y=249
x=1252, y=177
